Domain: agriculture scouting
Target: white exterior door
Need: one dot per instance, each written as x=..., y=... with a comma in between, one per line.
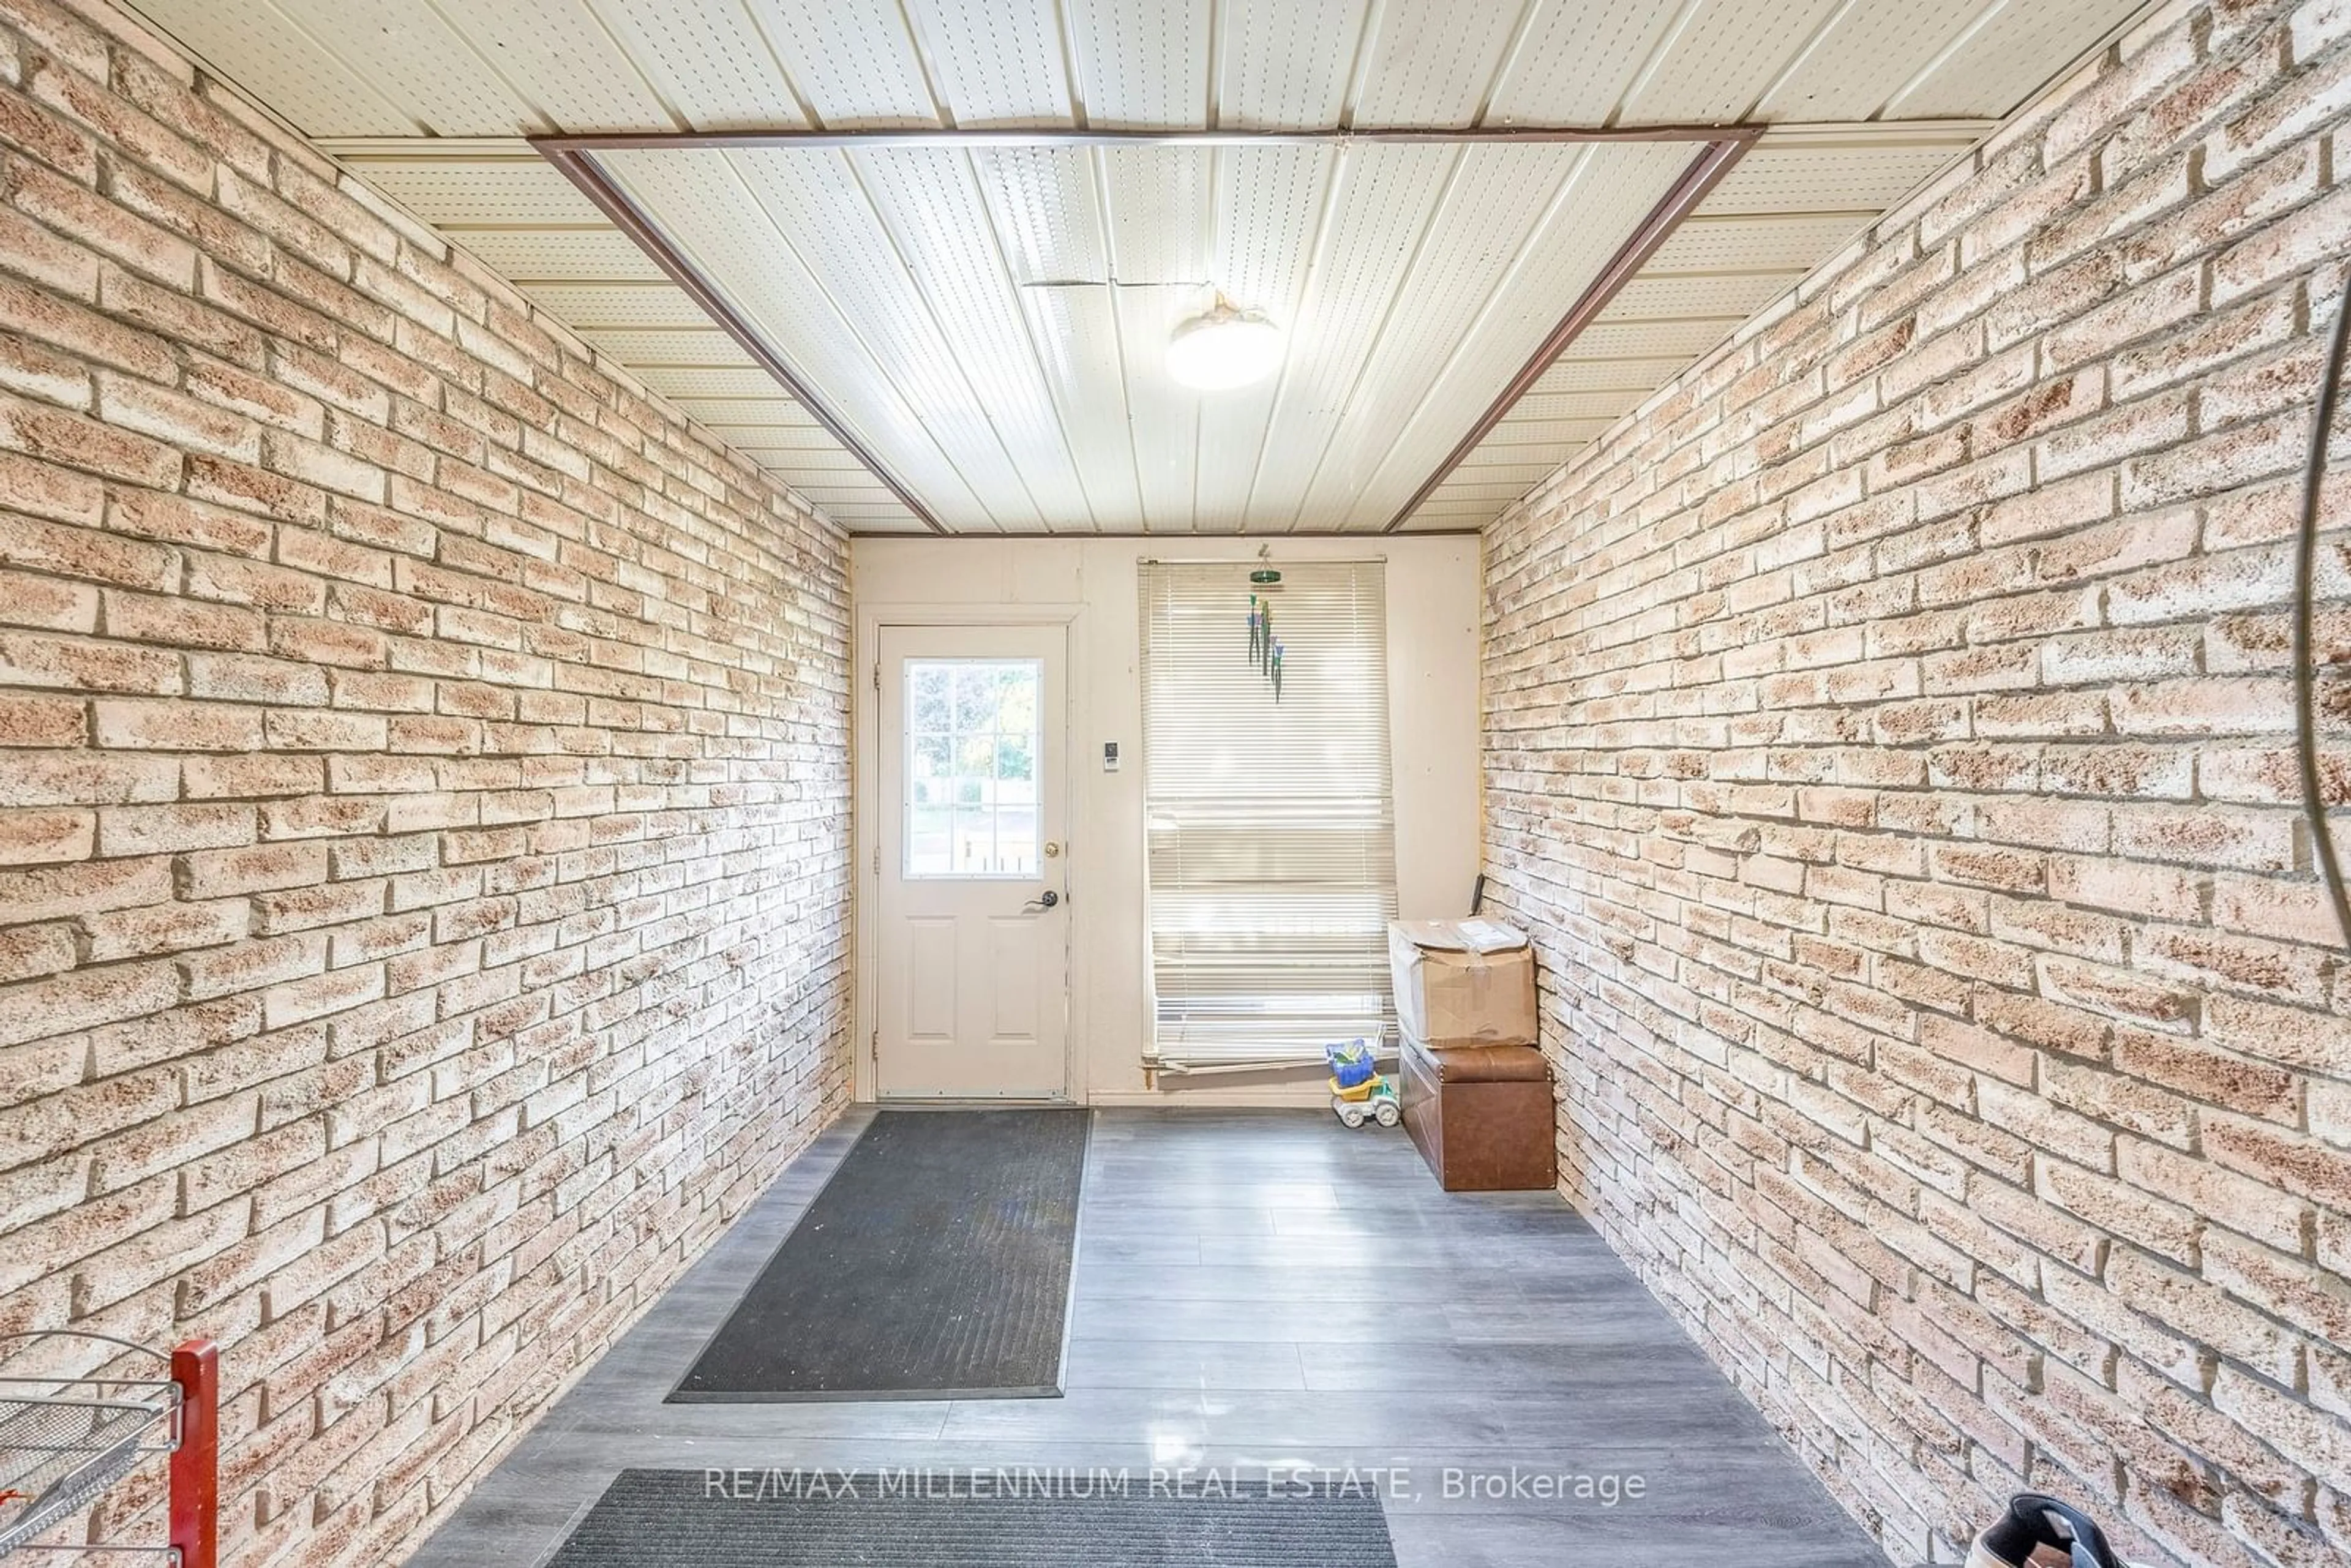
x=973, y=953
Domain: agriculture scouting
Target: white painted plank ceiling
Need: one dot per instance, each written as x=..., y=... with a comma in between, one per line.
x=952, y=307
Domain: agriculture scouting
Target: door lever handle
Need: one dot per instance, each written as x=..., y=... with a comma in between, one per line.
x=1040, y=904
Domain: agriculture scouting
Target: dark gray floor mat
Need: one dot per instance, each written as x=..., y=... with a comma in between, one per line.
x=754, y=1519
x=934, y=1264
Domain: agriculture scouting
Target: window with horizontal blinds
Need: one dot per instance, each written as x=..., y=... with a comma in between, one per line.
x=1271, y=819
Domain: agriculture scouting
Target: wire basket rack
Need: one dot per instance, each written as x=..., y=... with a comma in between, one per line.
x=66, y=1441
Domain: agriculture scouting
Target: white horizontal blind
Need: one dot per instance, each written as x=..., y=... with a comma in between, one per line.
x=1271, y=823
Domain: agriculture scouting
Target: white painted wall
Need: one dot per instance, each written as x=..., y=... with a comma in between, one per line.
x=1432, y=587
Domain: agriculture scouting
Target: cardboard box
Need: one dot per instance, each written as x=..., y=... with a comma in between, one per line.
x=1463, y=982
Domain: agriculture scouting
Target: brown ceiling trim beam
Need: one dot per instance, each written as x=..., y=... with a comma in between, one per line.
x=580, y=167
x=1704, y=174
x=964, y=138
x=1174, y=537
x=575, y=155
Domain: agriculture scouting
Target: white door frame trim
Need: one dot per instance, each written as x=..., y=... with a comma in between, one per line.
x=865, y=772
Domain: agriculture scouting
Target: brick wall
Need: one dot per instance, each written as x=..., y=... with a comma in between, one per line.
x=1889, y=739
x=422, y=808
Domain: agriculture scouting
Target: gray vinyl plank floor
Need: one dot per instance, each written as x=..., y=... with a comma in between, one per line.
x=1256, y=1292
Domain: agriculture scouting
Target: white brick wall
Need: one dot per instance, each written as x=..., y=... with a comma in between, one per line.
x=423, y=869
x=1889, y=739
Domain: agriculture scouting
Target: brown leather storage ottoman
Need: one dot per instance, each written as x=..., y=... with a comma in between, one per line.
x=1481, y=1115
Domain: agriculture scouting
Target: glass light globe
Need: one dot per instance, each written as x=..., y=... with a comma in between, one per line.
x=1223, y=347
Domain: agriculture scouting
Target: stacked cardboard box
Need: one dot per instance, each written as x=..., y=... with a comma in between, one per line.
x=1476, y=1091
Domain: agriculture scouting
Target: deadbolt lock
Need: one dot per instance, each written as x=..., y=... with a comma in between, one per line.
x=1052, y=850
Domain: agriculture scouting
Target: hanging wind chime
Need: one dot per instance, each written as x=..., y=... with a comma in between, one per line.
x=1264, y=647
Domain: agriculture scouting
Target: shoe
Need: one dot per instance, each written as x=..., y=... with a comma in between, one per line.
x=2034, y=1520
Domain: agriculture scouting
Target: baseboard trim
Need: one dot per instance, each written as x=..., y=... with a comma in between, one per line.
x=1289, y=1097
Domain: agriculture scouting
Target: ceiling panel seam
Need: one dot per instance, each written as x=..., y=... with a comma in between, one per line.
x=333, y=56
x=1333, y=183
x=537, y=109
x=1207, y=241
x=785, y=237
x=1359, y=70
x=1568, y=180
x=970, y=171
x=629, y=62
x=1665, y=46
x=932, y=306
x=1500, y=74
x=1795, y=62
x=1098, y=169
x=1944, y=55
x=800, y=101
x=924, y=66
x=1379, y=333
x=1705, y=172
x=582, y=171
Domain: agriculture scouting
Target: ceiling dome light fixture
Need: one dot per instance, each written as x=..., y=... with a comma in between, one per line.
x=1224, y=346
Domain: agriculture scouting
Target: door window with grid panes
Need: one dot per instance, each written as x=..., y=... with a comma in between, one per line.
x=972, y=739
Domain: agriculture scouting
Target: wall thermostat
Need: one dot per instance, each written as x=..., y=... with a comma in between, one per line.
x=1110, y=756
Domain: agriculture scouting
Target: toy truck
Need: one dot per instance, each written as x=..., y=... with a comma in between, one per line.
x=1359, y=1093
